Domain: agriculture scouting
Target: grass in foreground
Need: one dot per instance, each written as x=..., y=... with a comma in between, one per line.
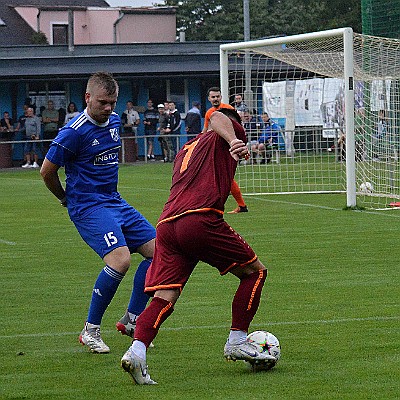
x=331, y=298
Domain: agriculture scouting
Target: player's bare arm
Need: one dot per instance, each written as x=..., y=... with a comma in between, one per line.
x=222, y=125
x=49, y=172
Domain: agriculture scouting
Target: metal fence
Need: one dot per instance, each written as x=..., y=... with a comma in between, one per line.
x=12, y=151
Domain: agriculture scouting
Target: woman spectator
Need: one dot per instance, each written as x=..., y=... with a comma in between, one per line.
x=72, y=111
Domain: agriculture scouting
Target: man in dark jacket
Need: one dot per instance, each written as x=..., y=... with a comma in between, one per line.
x=174, y=125
x=193, y=119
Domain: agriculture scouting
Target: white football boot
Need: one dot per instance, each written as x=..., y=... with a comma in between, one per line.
x=137, y=368
x=245, y=351
x=90, y=336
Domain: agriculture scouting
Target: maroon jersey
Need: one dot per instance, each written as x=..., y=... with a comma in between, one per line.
x=202, y=175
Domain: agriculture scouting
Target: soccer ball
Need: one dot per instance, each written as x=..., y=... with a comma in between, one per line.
x=366, y=187
x=265, y=342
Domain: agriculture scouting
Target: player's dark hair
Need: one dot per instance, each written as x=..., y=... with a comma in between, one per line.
x=230, y=113
x=105, y=80
x=213, y=89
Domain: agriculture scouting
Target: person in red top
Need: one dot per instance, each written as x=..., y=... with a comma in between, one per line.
x=215, y=98
x=191, y=228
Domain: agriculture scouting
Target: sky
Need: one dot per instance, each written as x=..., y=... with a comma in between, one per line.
x=132, y=3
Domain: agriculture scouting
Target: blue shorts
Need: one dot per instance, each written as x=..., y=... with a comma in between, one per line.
x=31, y=147
x=107, y=228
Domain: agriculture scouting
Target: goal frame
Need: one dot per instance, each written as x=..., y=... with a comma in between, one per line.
x=348, y=76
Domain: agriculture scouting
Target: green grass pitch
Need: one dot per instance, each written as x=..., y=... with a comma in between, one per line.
x=332, y=298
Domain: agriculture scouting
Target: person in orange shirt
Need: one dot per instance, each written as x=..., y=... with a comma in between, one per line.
x=215, y=98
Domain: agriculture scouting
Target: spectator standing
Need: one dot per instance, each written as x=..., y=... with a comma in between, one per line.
x=190, y=229
x=130, y=120
x=33, y=128
x=240, y=105
x=164, y=139
x=50, y=118
x=7, y=123
x=215, y=98
x=150, y=121
x=28, y=103
x=72, y=112
x=174, y=125
x=193, y=119
x=88, y=148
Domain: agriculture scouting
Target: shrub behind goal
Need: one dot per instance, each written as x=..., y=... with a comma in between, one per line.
x=336, y=96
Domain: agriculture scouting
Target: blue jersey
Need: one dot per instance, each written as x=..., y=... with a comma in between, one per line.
x=89, y=152
x=270, y=131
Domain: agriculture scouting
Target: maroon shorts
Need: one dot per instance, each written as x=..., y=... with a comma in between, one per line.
x=183, y=242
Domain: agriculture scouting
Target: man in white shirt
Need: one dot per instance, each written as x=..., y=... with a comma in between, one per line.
x=130, y=120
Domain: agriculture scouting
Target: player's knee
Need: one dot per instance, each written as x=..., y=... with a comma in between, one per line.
x=257, y=273
x=257, y=265
x=244, y=271
x=119, y=259
x=254, y=269
x=170, y=295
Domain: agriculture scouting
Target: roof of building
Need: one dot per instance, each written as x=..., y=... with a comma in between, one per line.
x=138, y=59
x=15, y=31
x=22, y=60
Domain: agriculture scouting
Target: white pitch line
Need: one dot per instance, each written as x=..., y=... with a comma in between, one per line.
x=296, y=203
x=201, y=327
x=309, y=322
x=375, y=212
x=7, y=242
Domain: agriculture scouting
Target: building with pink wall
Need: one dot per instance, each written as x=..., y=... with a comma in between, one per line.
x=137, y=45
x=99, y=25
x=143, y=25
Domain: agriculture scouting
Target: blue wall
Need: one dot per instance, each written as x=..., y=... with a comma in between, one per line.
x=76, y=91
x=6, y=98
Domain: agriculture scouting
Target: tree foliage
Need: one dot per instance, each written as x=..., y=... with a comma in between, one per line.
x=223, y=20
x=39, y=38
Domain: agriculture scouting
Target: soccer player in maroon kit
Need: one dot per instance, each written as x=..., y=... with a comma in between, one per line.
x=190, y=229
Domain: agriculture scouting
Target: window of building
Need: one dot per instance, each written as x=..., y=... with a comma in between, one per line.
x=41, y=92
x=178, y=93
x=157, y=90
x=60, y=33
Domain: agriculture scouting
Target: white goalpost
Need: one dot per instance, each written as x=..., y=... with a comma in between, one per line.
x=334, y=97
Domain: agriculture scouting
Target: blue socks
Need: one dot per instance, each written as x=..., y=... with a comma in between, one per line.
x=139, y=299
x=103, y=292
x=106, y=286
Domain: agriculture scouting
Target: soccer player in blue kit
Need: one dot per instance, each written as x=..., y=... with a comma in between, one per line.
x=88, y=148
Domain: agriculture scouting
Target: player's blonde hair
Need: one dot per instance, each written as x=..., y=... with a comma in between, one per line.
x=104, y=80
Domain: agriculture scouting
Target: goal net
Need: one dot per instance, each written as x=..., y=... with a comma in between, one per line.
x=332, y=100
